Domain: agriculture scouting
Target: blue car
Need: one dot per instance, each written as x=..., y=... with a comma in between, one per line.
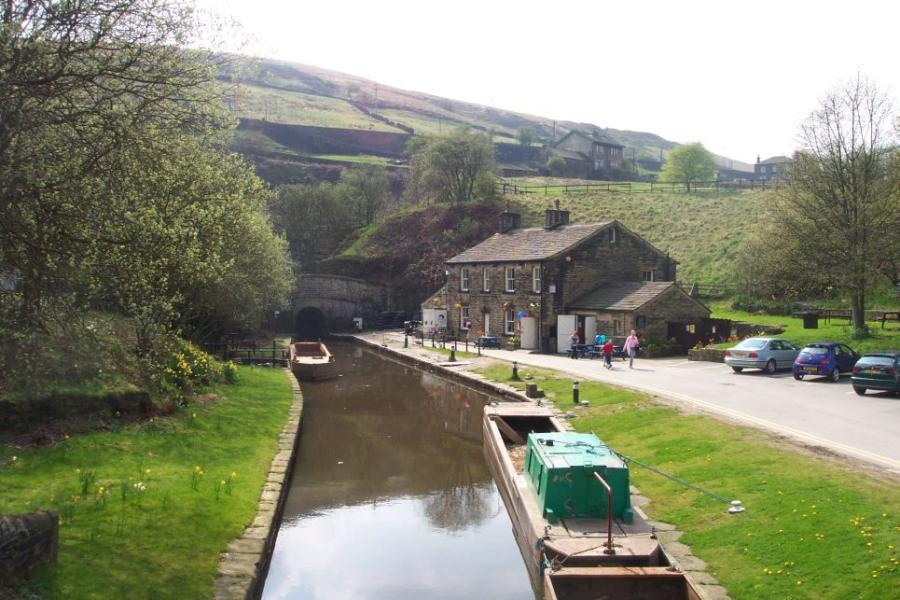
x=828, y=359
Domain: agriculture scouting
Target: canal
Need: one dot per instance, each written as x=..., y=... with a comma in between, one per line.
x=390, y=495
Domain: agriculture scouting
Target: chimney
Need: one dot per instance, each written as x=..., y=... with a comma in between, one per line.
x=554, y=217
x=509, y=221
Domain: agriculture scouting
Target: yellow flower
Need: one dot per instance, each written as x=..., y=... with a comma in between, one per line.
x=234, y=476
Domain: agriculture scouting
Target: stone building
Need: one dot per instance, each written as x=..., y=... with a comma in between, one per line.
x=593, y=154
x=543, y=283
x=775, y=167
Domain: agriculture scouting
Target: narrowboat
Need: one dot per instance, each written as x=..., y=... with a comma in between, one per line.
x=311, y=361
x=568, y=497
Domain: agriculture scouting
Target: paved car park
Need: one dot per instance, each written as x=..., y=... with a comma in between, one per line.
x=815, y=411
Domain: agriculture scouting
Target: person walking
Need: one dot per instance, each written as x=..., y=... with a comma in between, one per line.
x=631, y=345
x=607, y=353
x=573, y=341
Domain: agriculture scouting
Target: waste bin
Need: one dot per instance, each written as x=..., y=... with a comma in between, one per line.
x=810, y=320
x=545, y=344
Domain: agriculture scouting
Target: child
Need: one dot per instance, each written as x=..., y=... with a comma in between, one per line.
x=607, y=354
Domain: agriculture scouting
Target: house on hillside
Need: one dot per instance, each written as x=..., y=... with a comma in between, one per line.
x=591, y=155
x=543, y=283
x=772, y=168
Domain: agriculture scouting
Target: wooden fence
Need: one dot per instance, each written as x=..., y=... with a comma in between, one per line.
x=507, y=187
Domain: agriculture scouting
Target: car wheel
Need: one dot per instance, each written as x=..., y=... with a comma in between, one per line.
x=798, y=376
x=737, y=369
x=771, y=367
x=836, y=375
x=859, y=390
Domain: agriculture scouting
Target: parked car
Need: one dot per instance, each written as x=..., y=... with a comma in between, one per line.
x=829, y=359
x=877, y=371
x=768, y=354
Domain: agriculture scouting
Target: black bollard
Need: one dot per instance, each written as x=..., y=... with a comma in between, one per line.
x=575, y=392
x=405, y=339
x=515, y=374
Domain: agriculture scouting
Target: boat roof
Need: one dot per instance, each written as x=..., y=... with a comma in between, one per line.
x=566, y=449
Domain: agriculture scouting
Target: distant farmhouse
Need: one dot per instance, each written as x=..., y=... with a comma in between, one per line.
x=544, y=283
x=772, y=168
x=589, y=156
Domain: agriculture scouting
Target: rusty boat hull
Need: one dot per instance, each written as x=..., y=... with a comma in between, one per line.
x=311, y=361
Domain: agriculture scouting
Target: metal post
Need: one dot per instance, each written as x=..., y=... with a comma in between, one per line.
x=515, y=374
x=609, y=510
x=453, y=352
x=575, y=392
x=406, y=339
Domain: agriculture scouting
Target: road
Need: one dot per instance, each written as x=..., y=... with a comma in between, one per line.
x=815, y=411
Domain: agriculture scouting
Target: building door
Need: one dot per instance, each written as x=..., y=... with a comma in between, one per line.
x=529, y=339
x=487, y=324
x=565, y=327
x=590, y=329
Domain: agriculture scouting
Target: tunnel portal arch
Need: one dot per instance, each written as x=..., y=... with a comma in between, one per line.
x=311, y=324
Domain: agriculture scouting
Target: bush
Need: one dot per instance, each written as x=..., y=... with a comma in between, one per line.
x=177, y=367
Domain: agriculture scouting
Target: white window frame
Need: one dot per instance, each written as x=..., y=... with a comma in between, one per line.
x=612, y=235
x=485, y=280
x=510, y=273
x=536, y=279
x=651, y=273
x=509, y=324
x=463, y=317
x=464, y=279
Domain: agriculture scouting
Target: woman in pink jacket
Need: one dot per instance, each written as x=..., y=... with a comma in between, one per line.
x=631, y=345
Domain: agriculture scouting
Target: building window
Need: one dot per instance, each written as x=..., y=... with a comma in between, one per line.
x=464, y=280
x=647, y=276
x=690, y=328
x=640, y=322
x=463, y=317
x=510, y=322
x=536, y=279
x=617, y=327
x=612, y=235
x=485, y=280
x=510, y=279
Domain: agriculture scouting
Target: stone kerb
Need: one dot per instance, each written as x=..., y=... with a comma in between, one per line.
x=27, y=541
x=244, y=564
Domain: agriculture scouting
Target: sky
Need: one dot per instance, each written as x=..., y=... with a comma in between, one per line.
x=739, y=77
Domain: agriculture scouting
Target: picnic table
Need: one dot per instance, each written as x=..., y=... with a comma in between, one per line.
x=486, y=341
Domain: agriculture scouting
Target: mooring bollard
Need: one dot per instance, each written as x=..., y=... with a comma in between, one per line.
x=405, y=339
x=575, y=392
x=453, y=352
x=515, y=374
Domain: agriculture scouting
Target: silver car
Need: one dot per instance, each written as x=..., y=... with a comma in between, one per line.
x=768, y=354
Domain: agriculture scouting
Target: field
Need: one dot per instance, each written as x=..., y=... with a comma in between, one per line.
x=147, y=507
x=297, y=108
x=836, y=331
x=703, y=231
x=814, y=529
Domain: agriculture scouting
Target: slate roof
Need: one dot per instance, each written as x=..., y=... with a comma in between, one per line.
x=622, y=295
x=776, y=160
x=570, y=154
x=599, y=137
x=533, y=243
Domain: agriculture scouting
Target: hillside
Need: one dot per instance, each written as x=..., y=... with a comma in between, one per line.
x=296, y=100
x=703, y=232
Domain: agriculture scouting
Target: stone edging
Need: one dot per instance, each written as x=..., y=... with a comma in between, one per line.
x=244, y=564
x=707, y=585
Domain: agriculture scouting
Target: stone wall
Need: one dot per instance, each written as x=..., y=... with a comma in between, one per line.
x=27, y=541
x=341, y=298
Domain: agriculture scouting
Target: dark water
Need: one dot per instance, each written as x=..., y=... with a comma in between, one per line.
x=390, y=496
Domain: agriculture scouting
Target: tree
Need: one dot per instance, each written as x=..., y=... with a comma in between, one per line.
x=367, y=190
x=527, y=136
x=843, y=189
x=456, y=168
x=314, y=218
x=688, y=164
x=556, y=165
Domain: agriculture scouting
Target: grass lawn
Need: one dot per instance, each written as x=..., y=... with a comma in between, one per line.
x=164, y=542
x=445, y=352
x=813, y=529
x=836, y=331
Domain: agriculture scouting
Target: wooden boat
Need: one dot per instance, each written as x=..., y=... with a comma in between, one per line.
x=311, y=361
x=554, y=483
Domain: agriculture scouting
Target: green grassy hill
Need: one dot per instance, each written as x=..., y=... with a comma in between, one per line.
x=702, y=231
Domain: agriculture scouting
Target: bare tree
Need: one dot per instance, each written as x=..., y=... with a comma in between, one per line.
x=843, y=197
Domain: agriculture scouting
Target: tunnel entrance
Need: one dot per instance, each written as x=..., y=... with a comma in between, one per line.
x=311, y=324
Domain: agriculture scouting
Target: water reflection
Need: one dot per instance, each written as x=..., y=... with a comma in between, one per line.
x=390, y=496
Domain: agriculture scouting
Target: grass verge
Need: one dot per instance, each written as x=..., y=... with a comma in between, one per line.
x=835, y=331
x=119, y=542
x=813, y=529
